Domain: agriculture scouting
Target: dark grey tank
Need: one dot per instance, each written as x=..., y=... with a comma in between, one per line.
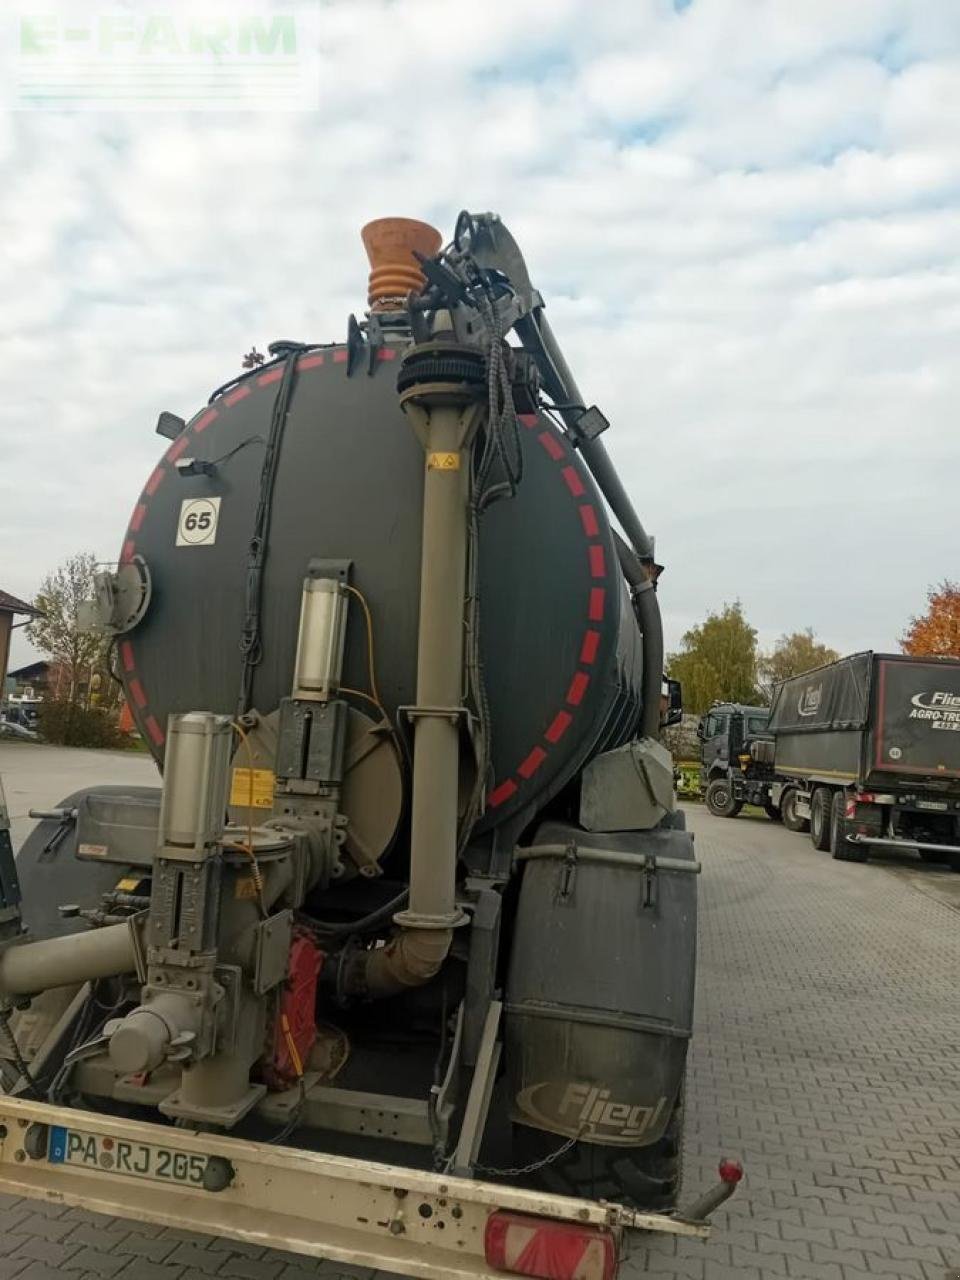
x=560, y=647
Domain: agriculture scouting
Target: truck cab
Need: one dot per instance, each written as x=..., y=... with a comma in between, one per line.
x=736, y=759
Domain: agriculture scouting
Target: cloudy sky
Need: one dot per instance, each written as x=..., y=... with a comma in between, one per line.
x=744, y=215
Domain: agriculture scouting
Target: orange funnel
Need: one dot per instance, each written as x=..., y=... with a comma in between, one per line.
x=394, y=271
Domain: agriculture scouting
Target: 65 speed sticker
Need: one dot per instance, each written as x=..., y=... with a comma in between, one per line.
x=197, y=526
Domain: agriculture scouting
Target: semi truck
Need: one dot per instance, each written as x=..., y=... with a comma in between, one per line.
x=396, y=965
x=868, y=751
x=864, y=753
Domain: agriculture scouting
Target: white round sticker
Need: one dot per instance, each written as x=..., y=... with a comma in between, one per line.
x=197, y=526
x=895, y=753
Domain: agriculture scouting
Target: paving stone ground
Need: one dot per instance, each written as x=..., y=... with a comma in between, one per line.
x=827, y=1058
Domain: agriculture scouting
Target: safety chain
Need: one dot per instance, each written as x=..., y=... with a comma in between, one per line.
x=530, y=1168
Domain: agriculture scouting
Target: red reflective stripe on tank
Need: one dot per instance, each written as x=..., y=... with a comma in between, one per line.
x=573, y=482
x=502, y=793
x=532, y=763
x=203, y=422
x=598, y=564
x=578, y=687
x=551, y=444
x=236, y=396
x=153, y=484
x=588, y=650
x=178, y=446
x=529, y=420
x=129, y=550
x=588, y=518
x=126, y=655
x=386, y=353
x=310, y=362
x=154, y=730
x=136, y=692
x=597, y=599
x=559, y=726
x=340, y=357
x=273, y=375
x=136, y=520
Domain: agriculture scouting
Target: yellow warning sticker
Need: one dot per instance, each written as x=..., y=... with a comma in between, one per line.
x=443, y=462
x=129, y=884
x=263, y=781
x=245, y=888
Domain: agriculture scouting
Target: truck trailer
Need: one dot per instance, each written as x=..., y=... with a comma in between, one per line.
x=396, y=967
x=867, y=750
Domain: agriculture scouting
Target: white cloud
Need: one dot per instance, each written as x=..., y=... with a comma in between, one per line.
x=744, y=218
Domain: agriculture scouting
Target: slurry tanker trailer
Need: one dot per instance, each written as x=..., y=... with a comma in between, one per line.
x=397, y=965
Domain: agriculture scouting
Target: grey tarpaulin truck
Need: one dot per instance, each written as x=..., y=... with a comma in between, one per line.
x=872, y=746
x=397, y=965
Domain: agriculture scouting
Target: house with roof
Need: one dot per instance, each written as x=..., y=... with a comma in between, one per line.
x=10, y=608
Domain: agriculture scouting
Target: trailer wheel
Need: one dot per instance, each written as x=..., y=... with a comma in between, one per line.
x=720, y=799
x=842, y=848
x=820, y=818
x=788, y=810
x=646, y=1178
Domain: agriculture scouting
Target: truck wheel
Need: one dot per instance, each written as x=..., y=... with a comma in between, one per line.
x=841, y=848
x=820, y=818
x=788, y=810
x=643, y=1177
x=720, y=799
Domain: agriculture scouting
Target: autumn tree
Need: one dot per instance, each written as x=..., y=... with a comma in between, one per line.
x=57, y=631
x=937, y=632
x=717, y=660
x=792, y=655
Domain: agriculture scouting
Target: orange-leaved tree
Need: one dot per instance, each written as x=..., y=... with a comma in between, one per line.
x=937, y=632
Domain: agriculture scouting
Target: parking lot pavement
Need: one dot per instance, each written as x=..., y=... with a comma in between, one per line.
x=826, y=1058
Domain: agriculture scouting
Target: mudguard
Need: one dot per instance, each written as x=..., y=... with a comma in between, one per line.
x=599, y=1003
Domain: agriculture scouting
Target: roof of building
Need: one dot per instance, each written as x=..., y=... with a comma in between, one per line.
x=30, y=671
x=11, y=604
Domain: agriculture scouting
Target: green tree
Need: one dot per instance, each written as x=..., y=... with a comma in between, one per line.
x=793, y=654
x=717, y=660
x=57, y=632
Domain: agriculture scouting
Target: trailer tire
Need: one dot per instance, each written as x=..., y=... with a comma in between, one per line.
x=841, y=848
x=788, y=810
x=820, y=818
x=720, y=799
x=647, y=1178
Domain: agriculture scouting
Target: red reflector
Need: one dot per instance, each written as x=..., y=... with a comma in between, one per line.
x=866, y=797
x=527, y=1246
x=850, y=809
x=731, y=1170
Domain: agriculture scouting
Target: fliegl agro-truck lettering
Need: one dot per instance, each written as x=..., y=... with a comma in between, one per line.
x=397, y=965
x=870, y=746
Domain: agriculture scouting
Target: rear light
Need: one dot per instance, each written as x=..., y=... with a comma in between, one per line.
x=523, y=1245
x=850, y=809
x=866, y=797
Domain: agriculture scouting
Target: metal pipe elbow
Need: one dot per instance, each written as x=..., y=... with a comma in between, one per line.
x=410, y=959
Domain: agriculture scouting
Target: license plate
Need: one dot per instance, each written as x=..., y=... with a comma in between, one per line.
x=116, y=1155
x=939, y=805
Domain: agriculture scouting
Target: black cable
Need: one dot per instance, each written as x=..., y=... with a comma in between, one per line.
x=251, y=647
x=342, y=928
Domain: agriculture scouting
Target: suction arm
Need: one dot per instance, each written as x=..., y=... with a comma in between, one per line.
x=494, y=248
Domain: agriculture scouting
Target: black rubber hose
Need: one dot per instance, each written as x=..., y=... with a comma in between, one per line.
x=651, y=624
x=344, y=927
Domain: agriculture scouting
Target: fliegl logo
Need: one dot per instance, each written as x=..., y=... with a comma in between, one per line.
x=941, y=709
x=808, y=703
x=584, y=1110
